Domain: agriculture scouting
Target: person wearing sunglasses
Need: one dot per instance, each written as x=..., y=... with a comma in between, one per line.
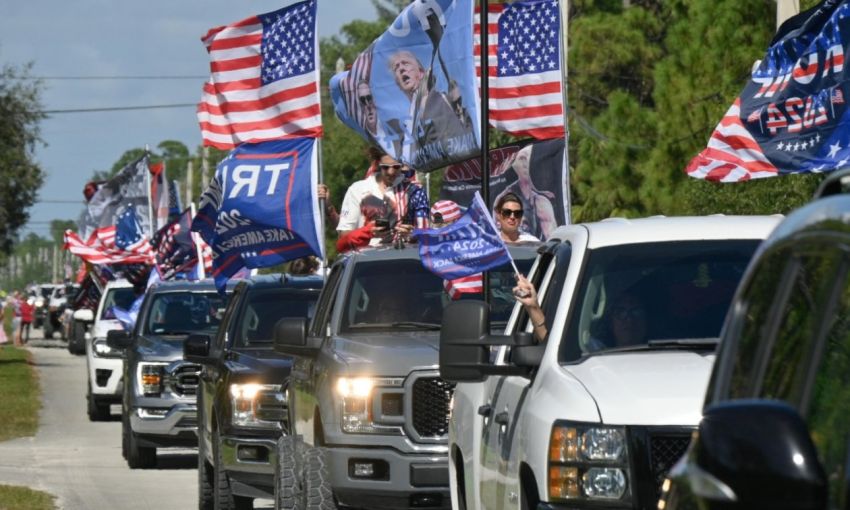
x=509, y=213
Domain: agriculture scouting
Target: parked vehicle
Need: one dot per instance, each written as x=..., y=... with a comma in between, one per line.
x=103, y=363
x=241, y=397
x=596, y=415
x=774, y=425
x=158, y=404
x=368, y=411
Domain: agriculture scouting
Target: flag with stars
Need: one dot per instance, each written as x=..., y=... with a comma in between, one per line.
x=791, y=116
x=264, y=79
x=524, y=68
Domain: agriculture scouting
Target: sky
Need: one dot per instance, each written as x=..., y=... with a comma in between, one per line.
x=121, y=38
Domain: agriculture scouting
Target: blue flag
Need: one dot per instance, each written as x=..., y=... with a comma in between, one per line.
x=261, y=207
x=128, y=318
x=413, y=92
x=128, y=231
x=470, y=245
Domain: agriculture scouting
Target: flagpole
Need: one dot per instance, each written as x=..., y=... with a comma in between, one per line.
x=484, y=66
x=564, y=6
x=202, y=271
x=323, y=206
x=150, y=199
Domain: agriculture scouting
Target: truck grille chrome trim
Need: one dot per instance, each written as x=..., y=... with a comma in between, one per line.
x=428, y=412
x=183, y=379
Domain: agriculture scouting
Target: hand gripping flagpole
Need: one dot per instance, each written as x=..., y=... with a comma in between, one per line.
x=484, y=66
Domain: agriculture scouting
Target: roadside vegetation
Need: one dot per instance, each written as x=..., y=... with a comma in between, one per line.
x=19, y=400
x=22, y=498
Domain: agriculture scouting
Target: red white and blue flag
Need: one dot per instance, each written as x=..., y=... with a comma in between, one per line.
x=101, y=248
x=791, y=116
x=524, y=68
x=264, y=79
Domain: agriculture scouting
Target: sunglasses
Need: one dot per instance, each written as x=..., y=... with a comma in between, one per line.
x=366, y=100
x=516, y=213
x=387, y=167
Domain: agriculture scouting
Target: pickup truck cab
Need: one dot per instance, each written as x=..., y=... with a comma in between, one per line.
x=159, y=404
x=594, y=416
x=368, y=410
x=241, y=397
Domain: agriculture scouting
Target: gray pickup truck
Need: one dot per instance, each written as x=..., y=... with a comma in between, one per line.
x=159, y=407
x=367, y=407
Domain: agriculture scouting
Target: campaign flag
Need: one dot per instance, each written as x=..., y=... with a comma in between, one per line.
x=174, y=203
x=175, y=248
x=524, y=70
x=128, y=188
x=534, y=172
x=261, y=208
x=264, y=79
x=413, y=91
x=791, y=116
x=470, y=245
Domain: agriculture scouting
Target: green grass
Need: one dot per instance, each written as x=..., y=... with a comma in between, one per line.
x=21, y=498
x=19, y=394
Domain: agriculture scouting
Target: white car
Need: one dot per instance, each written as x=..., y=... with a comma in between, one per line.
x=104, y=363
x=596, y=415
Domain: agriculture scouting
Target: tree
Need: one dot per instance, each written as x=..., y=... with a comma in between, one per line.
x=20, y=175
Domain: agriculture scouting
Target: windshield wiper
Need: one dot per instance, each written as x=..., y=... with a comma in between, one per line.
x=400, y=324
x=175, y=333
x=692, y=343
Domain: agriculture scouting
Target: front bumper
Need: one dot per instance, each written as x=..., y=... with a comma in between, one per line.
x=105, y=376
x=179, y=421
x=250, y=464
x=402, y=481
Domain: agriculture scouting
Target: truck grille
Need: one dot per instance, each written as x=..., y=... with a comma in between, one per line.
x=431, y=397
x=664, y=451
x=185, y=379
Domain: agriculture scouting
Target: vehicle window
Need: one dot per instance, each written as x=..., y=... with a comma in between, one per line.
x=226, y=318
x=556, y=284
x=502, y=282
x=384, y=293
x=632, y=295
x=328, y=295
x=830, y=401
x=46, y=291
x=117, y=298
x=182, y=313
x=265, y=309
x=787, y=363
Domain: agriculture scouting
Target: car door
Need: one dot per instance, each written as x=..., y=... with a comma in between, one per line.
x=302, y=392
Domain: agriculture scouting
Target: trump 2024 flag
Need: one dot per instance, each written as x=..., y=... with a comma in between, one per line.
x=264, y=79
x=792, y=116
x=261, y=207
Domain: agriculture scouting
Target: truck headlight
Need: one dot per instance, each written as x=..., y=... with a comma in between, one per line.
x=39, y=303
x=102, y=350
x=356, y=396
x=149, y=378
x=247, y=409
x=588, y=462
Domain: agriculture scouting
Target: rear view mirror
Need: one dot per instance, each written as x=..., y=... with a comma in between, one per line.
x=197, y=348
x=759, y=454
x=118, y=339
x=84, y=315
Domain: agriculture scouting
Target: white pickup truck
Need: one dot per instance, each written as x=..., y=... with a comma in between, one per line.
x=595, y=415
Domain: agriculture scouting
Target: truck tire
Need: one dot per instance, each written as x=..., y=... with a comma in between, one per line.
x=205, y=478
x=138, y=457
x=222, y=494
x=286, y=497
x=96, y=411
x=317, y=481
x=77, y=345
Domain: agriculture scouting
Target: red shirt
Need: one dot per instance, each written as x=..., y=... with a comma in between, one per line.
x=27, y=311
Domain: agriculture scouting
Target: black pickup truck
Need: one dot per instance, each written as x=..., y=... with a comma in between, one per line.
x=241, y=397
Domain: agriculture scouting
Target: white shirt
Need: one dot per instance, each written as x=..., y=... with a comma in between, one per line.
x=351, y=216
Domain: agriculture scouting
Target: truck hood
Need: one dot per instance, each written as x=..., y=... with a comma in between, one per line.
x=646, y=388
x=260, y=366
x=394, y=353
x=160, y=348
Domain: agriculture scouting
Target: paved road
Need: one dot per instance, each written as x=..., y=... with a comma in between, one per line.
x=79, y=461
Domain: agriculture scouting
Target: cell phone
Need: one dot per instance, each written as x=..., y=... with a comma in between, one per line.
x=382, y=223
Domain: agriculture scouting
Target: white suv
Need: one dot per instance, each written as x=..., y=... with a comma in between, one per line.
x=598, y=413
x=104, y=363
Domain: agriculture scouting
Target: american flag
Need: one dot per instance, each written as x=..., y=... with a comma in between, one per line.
x=472, y=284
x=524, y=68
x=101, y=248
x=264, y=81
x=176, y=251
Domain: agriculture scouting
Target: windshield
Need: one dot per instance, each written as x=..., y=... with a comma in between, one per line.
x=184, y=313
x=117, y=298
x=265, y=309
x=646, y=295
x=45, y=292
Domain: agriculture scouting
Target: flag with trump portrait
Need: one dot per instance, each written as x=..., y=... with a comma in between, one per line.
x=264, y=77
x=413, y=91
x=792, y=116
x=261, y=208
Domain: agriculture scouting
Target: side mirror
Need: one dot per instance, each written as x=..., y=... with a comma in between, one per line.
x=754, y=454
x=84, y=315
x=462, y=350
x=118, y=339
x=196, y=348
x=290, y=338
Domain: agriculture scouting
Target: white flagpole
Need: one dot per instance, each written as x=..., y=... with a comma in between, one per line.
x=564, y=6
x=202, y=272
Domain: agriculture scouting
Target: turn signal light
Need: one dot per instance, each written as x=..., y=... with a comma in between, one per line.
x=563, y=482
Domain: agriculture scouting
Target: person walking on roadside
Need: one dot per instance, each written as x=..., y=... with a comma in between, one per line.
x=27, y=315
x=3, y=338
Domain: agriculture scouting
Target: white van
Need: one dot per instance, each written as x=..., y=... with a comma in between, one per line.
x=596, y=414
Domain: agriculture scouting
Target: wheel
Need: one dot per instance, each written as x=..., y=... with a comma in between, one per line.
x=205, y=478
x=138, y=457
x=222, y=495
x=97, y=411
x=316, y=478
x=77, y=345
x=285, y=489
x=125, y=435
